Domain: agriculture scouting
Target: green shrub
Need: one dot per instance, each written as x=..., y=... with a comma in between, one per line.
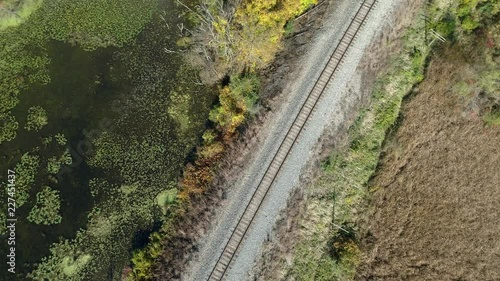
x=447, y=26
x=289, y=27
x=236, y=102
x=211, y=151
x=489, y=81
x=492, y=118
x=464, y=16
x=474, y=13
x=143, y=259
x=209, y=136
x=469, y=24
x=142, y=265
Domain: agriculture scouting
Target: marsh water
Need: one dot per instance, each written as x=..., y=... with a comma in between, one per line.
x=81, y=102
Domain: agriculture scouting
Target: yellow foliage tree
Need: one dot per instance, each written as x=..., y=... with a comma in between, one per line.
x=235, y=102
x=258, y=29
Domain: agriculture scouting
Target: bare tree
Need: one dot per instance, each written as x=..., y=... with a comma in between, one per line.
x=212, y=39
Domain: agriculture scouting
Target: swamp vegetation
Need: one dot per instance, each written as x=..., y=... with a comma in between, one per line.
x=97, y=119
x=100, y=112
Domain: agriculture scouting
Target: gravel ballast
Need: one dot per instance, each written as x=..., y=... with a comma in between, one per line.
x=334, y=105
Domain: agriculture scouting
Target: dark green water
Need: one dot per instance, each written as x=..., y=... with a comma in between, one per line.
x=75, y=100
x=82, y=99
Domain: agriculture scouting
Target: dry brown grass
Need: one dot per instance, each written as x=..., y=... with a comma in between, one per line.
x=435, y=213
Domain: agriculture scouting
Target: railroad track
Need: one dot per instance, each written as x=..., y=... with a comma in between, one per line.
x=293, y=133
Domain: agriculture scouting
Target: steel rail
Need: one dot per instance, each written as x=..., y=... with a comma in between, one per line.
x=238, y=234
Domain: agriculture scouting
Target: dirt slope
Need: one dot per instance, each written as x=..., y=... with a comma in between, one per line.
x=436, y=212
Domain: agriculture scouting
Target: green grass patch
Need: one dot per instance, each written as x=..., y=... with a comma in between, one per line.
x=492, y=118
x=328, y=248
x=330, y=251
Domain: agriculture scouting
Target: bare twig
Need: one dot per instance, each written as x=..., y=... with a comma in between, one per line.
x=341, y=228
x=168, y=51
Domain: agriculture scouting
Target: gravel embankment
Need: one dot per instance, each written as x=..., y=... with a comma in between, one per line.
x=336, y=102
